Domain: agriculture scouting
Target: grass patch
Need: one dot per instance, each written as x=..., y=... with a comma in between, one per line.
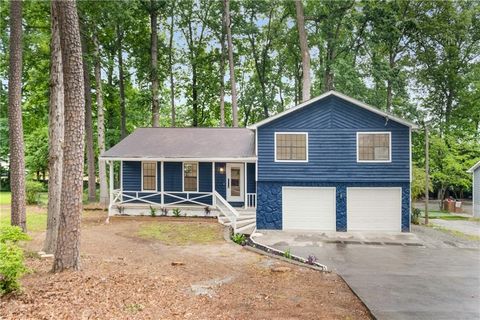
x=182, y=233
x=36, y=221
x=455, y=233
x=5, y=197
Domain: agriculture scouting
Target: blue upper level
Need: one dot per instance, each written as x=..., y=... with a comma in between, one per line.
x=332, y=124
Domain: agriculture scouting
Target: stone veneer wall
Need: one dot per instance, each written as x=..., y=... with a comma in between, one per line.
x=269, y=202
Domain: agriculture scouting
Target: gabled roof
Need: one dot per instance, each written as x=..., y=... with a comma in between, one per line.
x=181, y=143
x=341, y=96
x=475, y=166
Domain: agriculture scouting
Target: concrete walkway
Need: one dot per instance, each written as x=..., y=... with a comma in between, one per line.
x=397, y=281
x=464, y=226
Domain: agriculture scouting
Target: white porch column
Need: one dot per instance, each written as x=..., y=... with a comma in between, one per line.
x=245, y=204
x=213, y=184
x=110, y=168
x=162, y=188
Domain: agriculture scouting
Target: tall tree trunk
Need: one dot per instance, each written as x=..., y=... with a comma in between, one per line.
x=67, y=254
x=17, y=157
x=170, y=60
x=302, y=35
x=55, y=135
x=102, y=170
x=92, y=197
x=231, y=64
x=123, y=112
x=194, y=95
x=222, y=69
x=154, y=65
x=329, y=76
x=389, y=84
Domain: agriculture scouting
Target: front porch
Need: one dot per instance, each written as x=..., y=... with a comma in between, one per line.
x=226, y=190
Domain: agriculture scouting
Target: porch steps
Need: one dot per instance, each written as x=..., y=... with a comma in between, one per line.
x=245, y=222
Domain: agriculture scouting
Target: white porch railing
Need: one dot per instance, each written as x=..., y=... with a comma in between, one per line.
x=225, y=208
x=147, y=197
x=251, y=200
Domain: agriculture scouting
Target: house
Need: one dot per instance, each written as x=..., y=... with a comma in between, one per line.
x=475, y=171
x=332, y=163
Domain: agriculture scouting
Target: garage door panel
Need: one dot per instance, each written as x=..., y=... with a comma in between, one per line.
x=308, y=208
x=374, y=209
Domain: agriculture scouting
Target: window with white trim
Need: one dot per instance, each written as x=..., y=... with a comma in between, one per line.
x=190, y=176
x=149, y=176
x=291, y=147
x=373, y=147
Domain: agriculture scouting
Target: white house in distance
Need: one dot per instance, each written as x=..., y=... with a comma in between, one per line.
x=475, y=170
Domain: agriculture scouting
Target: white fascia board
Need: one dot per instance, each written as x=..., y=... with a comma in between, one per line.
x=248, y=159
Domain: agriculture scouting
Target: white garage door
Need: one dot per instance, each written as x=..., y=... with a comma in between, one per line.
x=374, y=209
x=308, y=208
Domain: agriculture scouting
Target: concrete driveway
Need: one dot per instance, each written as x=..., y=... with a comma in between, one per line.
x=397, y=280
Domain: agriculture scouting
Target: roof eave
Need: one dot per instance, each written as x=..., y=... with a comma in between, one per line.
x=474, y=167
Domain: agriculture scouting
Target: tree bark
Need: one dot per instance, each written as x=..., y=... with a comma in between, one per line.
x=67, y=254
x=170, y=60
x=389, y=83
x=102, y=169
x=121, y=86
x=302, y=35
x=92, y=196
x=55, y=135
x=222, y=69
x=194, y=95
x=17, y=156
x=154, y=65
x=228, y=27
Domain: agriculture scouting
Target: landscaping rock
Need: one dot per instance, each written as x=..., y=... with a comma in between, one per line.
x=178, y=263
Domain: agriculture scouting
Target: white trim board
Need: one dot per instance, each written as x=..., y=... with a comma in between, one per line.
x=250, y=159
x=290, y=132
x=341, y=96
x=389, y=143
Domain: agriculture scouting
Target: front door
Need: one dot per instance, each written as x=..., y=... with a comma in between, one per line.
x=235, y=182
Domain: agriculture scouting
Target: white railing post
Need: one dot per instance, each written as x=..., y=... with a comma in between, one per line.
x=245, y=185
x=214, y=201
x=110, y=166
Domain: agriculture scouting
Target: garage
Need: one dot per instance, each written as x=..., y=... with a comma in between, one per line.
x=308, y=208
x=374, y=209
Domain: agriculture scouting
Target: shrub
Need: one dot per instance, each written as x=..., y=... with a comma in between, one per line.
x=287, y=254
x=416, y=216
x=12, y=265
x=153, y=211
x=33, y=189
x=239, y=238
x=311, y=259
x=177, y=212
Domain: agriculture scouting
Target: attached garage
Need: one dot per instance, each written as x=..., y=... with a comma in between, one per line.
x=374, y=209
x=308, y=208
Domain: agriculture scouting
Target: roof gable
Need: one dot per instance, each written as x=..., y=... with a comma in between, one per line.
x=474, y=167
x=341, y=96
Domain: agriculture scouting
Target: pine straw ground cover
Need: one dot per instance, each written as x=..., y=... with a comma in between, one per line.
x=126, y=276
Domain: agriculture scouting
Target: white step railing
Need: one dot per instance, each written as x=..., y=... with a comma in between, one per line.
x=251, y=200
x=225, y=208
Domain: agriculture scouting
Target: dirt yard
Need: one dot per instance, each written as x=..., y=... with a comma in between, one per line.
x=127, y=275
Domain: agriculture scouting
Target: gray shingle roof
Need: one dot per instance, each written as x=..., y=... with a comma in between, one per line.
x=210, y=143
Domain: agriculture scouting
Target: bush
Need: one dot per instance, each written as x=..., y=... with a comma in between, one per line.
x=239, y=238
x=12, y=266
x=287, y=254
x=177, y=212
x=153, y=211
x=33, y=189
x=416, y=216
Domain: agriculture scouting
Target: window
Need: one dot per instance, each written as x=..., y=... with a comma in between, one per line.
x=190, y=176
x=291, y=147
x=149, y=176
x=373, y=147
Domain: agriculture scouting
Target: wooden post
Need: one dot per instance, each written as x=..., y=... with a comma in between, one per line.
x=162, y=188
x=245, y=186
x=110, y=168
x=213, y=184
x=427, y=178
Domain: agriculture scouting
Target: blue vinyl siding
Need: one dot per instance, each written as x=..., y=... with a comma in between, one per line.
x=220, y=179
x=205, y=176
x=332, y=125
x=251, y=185
x=132, y=175
x=173, y=180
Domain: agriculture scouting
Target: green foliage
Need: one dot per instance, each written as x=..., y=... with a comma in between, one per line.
x=153, y=211
x=287, y=254
x=33, y=190
x=418, y=183
x=12, y=265
x=239, y=238
x=36, y=150
x=416, y=216
x=177, y=212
